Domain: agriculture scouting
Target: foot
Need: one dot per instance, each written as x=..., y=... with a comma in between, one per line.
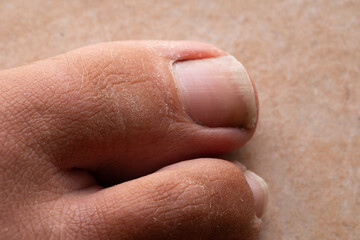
x=104, y=142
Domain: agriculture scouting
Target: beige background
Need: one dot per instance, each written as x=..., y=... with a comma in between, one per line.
x=304, y=56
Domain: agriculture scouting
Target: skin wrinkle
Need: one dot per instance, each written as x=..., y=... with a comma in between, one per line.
x=198, y=205
x=80, y=222
x=134, y=82
x=177, y=196
x=37, y=112
x=105, y=223
x=99, y=110
x=80, y=127
x=25, y=176
x=59, y=219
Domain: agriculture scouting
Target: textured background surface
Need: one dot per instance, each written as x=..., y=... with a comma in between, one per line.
x=304, y=56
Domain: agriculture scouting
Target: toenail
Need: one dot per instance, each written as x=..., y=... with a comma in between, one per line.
x=260, y=191
x=217, y=92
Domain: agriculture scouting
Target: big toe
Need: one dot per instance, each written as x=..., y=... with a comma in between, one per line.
x=124, y=109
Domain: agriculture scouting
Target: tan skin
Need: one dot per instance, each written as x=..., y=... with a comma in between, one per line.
x=74, y=129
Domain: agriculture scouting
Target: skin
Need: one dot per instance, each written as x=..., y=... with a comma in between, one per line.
x=83, y=134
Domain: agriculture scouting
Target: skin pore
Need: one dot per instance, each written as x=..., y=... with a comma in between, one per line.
x=98, y=143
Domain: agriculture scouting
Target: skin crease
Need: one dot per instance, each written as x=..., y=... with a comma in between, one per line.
x=105, y=114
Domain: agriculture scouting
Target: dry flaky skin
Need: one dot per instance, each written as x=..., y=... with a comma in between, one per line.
x=304, y=57
x=111, y=112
